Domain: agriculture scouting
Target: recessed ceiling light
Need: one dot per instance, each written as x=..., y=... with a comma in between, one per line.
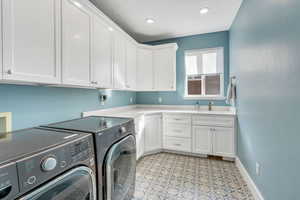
x=150, y=21
x=203, y=11
x=110, y=29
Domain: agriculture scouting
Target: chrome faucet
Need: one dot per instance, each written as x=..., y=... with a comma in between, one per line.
x=210, y=105
x=197, y=106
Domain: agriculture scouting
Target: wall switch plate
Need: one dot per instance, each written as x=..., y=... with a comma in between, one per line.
x=257, y=168
x=159, y=100
x=131, y=100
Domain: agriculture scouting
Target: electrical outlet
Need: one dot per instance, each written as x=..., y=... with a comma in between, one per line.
x=159, y=99
x=257, y=168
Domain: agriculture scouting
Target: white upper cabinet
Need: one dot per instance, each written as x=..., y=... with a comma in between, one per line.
x=102, y=74
x=131, y=61
x=31, y=35
x=164, y=63
x=145, y=70
x=119, y=61
x=76, y=21
x=72, y=43
x=156, y=68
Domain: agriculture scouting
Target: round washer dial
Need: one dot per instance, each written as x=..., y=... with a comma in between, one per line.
x=49, y=164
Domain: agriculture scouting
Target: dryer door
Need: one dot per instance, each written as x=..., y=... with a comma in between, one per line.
x=77, y=184
x=120, y=170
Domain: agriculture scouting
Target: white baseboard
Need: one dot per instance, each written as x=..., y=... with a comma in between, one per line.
x=254, y=190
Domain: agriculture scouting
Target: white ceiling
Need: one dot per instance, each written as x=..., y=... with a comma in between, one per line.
x=173, y=18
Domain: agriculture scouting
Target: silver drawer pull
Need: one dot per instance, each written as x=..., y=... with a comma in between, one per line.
x=177, y=144
x=176, y=119
x=177, y=131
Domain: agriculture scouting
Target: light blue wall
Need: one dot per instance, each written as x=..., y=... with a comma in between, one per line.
x=265, y=46
x=210, y=40
x=33, y=105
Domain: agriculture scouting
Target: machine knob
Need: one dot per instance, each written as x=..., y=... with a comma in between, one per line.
x=122, y=130
x=49, y=164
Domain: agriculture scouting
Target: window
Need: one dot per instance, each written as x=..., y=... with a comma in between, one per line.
x=204, y=73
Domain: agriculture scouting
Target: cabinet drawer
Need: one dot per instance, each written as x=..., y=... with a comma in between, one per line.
x=178, y=130
x=213, y=121
x=177, y=144
x=178, y=119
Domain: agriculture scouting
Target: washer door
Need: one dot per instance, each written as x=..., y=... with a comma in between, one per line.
x=78, y=184
x=120, y=170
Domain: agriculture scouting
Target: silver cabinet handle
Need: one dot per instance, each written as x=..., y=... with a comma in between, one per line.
x=177, y=131
x=177, y=144
x=94, y=82
x=176, y=119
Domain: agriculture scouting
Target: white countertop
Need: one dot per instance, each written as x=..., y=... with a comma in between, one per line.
x=135, y=111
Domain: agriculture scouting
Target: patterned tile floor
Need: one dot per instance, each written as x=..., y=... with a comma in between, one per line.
x=167, y=176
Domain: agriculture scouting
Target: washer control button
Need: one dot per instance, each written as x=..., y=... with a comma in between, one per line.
x=49, y=164
x=63, y=164
x=31, y=180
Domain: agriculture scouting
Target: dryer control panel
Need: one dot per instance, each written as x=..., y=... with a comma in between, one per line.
x=41, y=167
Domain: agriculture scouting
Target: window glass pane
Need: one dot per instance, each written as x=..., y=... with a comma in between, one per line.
x=209, y=63
x=194, y=86
x=191, y=65
x=212, y=85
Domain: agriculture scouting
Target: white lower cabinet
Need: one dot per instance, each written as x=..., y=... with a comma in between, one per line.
x=177, y=144
x=140, y=136
x=186, y=133
x=223, y=142
x=153, y=130
x=217, y=141
x=202, y=140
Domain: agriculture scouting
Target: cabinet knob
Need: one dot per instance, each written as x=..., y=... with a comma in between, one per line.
x=9, y=72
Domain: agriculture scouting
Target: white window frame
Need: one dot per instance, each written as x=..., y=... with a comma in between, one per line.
x=220, y=65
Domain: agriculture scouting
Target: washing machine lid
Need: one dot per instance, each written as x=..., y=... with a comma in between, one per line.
x=93, y=124
x=18, y=144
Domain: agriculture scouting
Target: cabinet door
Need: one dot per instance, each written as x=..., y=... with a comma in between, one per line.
x=164, y=63
x=140, y=136
x=202, y=141
x=31, y=40
x=131, y=66
x=144, y=70
x=75, y=44
x=119, y=61
x=153, y=136
x=223, y=142
x=102, y=75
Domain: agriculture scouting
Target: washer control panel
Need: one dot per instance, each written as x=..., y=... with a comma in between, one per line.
x=39, y=168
